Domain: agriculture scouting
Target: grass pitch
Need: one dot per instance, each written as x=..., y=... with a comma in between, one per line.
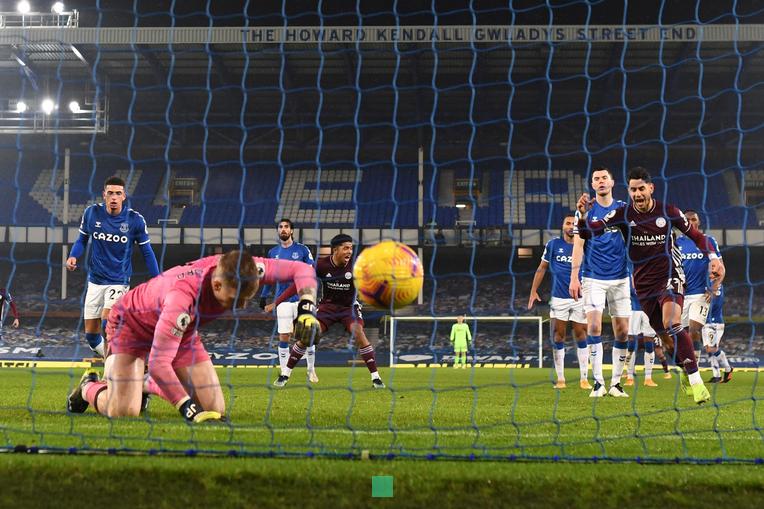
x=437, y=414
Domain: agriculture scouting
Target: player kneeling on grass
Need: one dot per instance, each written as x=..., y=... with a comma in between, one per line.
x=159, y=320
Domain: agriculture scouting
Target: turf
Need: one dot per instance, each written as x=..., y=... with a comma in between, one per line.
x=507, y=425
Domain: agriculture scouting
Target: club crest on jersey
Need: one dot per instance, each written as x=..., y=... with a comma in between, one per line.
x=660, y=222
x=124, y=227
x=295, y=255
x=348, y=275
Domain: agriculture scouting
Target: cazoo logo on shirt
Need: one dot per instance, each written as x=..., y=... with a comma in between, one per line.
x=109, y=237
x=564, y=259
x=693, y=256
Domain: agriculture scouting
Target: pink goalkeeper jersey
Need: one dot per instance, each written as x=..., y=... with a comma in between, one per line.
x=168, y=309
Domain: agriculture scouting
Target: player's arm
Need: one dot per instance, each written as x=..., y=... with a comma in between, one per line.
x=680, y=222
x=574, y=288
x=144, y=242
x=173, y=321
x=469, y=335
x=453, y=333
x=78, y=248
x=537, y=278
x=588, y=229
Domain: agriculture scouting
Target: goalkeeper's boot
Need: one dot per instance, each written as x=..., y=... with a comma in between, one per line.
x=617, y=391
x=728, y=375
x=377, y=383
x=76, y=403
x=312, y=376
x=700, y=394
x=598, y=391
x=649, y=383
x=281, y=381
x=685, y=382
x=584, y=384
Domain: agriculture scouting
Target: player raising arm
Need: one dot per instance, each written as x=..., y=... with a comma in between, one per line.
x=114, y=229
x=562, y=308
x=160, y=319
x=648, y=225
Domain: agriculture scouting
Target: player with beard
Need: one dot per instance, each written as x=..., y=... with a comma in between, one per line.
x=647, y=225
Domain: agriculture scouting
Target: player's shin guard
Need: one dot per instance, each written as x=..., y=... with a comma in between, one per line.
x=367, y=354
x=559, y=360
x=619, y=358
x=582, y=351
x=596, y=351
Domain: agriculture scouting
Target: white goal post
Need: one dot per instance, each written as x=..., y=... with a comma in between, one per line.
x=468, y=320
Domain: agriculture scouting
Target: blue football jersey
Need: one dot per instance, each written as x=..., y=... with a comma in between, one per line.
x=605, y=255
x=296, y=252
x=715, y=314
x=559, y=255
x=634, y=300
x=695, y=265
x=112, y=239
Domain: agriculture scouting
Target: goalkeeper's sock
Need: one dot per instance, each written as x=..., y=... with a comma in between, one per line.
x=559, y=360
x=583, y=359
x=619, y=359
x=595, y=347
x=310, y=357
x=367, y=354
x=283, y=354
x=714, y=361
x=725, y=364
x=295, y=354
x=91, y=391
x=95, y=341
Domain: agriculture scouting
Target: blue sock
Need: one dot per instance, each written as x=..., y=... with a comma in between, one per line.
x=632, y=346
x=283, y=344
x=559, y=346
x=582, y=344
x=93, y=338
x=593, y=340
x=649, y=346
x=620, y=344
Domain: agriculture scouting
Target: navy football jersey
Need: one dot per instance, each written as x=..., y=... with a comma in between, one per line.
x=559, y=255
x=695, y=264
x=605, y=256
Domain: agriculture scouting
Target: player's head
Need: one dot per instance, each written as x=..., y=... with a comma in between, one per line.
x=285, y=229
x=568, y=225
x=693, y=218
x=342, y=248
x=641, y=188
x=234, y=280
x=602, y=181
x=460, y=319
x=114, y=194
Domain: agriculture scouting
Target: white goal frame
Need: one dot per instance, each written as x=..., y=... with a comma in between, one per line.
x=467, y=319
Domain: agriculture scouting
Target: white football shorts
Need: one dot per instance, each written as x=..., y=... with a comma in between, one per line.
x=567, y=310
x=712, y=334
x=286, y=313
x=640, y=324
x=695, y=308
x=100, y=297
x=616, y=292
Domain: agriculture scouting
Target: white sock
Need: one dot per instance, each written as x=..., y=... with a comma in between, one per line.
x=583, y=362
x=632, y=367
x=619, y=358
x=559, y=363
x=695, y=378
x=649, y=363
x=287, y=372
x=714, y=361
x=283, y=358
x=310, y=357
x=375, y=375
x=724, y=362
x=596, y=358
x=99, y=348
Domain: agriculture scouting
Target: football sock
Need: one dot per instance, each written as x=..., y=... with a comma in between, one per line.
x=283, y=354
x=367, y=354
x=595, y=346
x=95, y=340
x=583, y=359
x=723, y=361
x=649, y=358
x=619, y=358
x=685, y=355
x=310, y=357
x=559, y=360
x=714, y=361
x=295, y=354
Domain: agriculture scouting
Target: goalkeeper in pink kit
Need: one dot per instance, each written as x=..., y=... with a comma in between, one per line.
x=158, y=321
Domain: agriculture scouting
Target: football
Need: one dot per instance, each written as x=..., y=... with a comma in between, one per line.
x=388, y=274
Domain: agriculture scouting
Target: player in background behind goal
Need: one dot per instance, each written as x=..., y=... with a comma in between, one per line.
x=461, y=338
x=6, y=301
x=338, y=305
x=703, y=300
x=658, y=273
x=557, y=256
x=605, y=279
x=159, y=321
x=114, y=229
x=286, y=312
